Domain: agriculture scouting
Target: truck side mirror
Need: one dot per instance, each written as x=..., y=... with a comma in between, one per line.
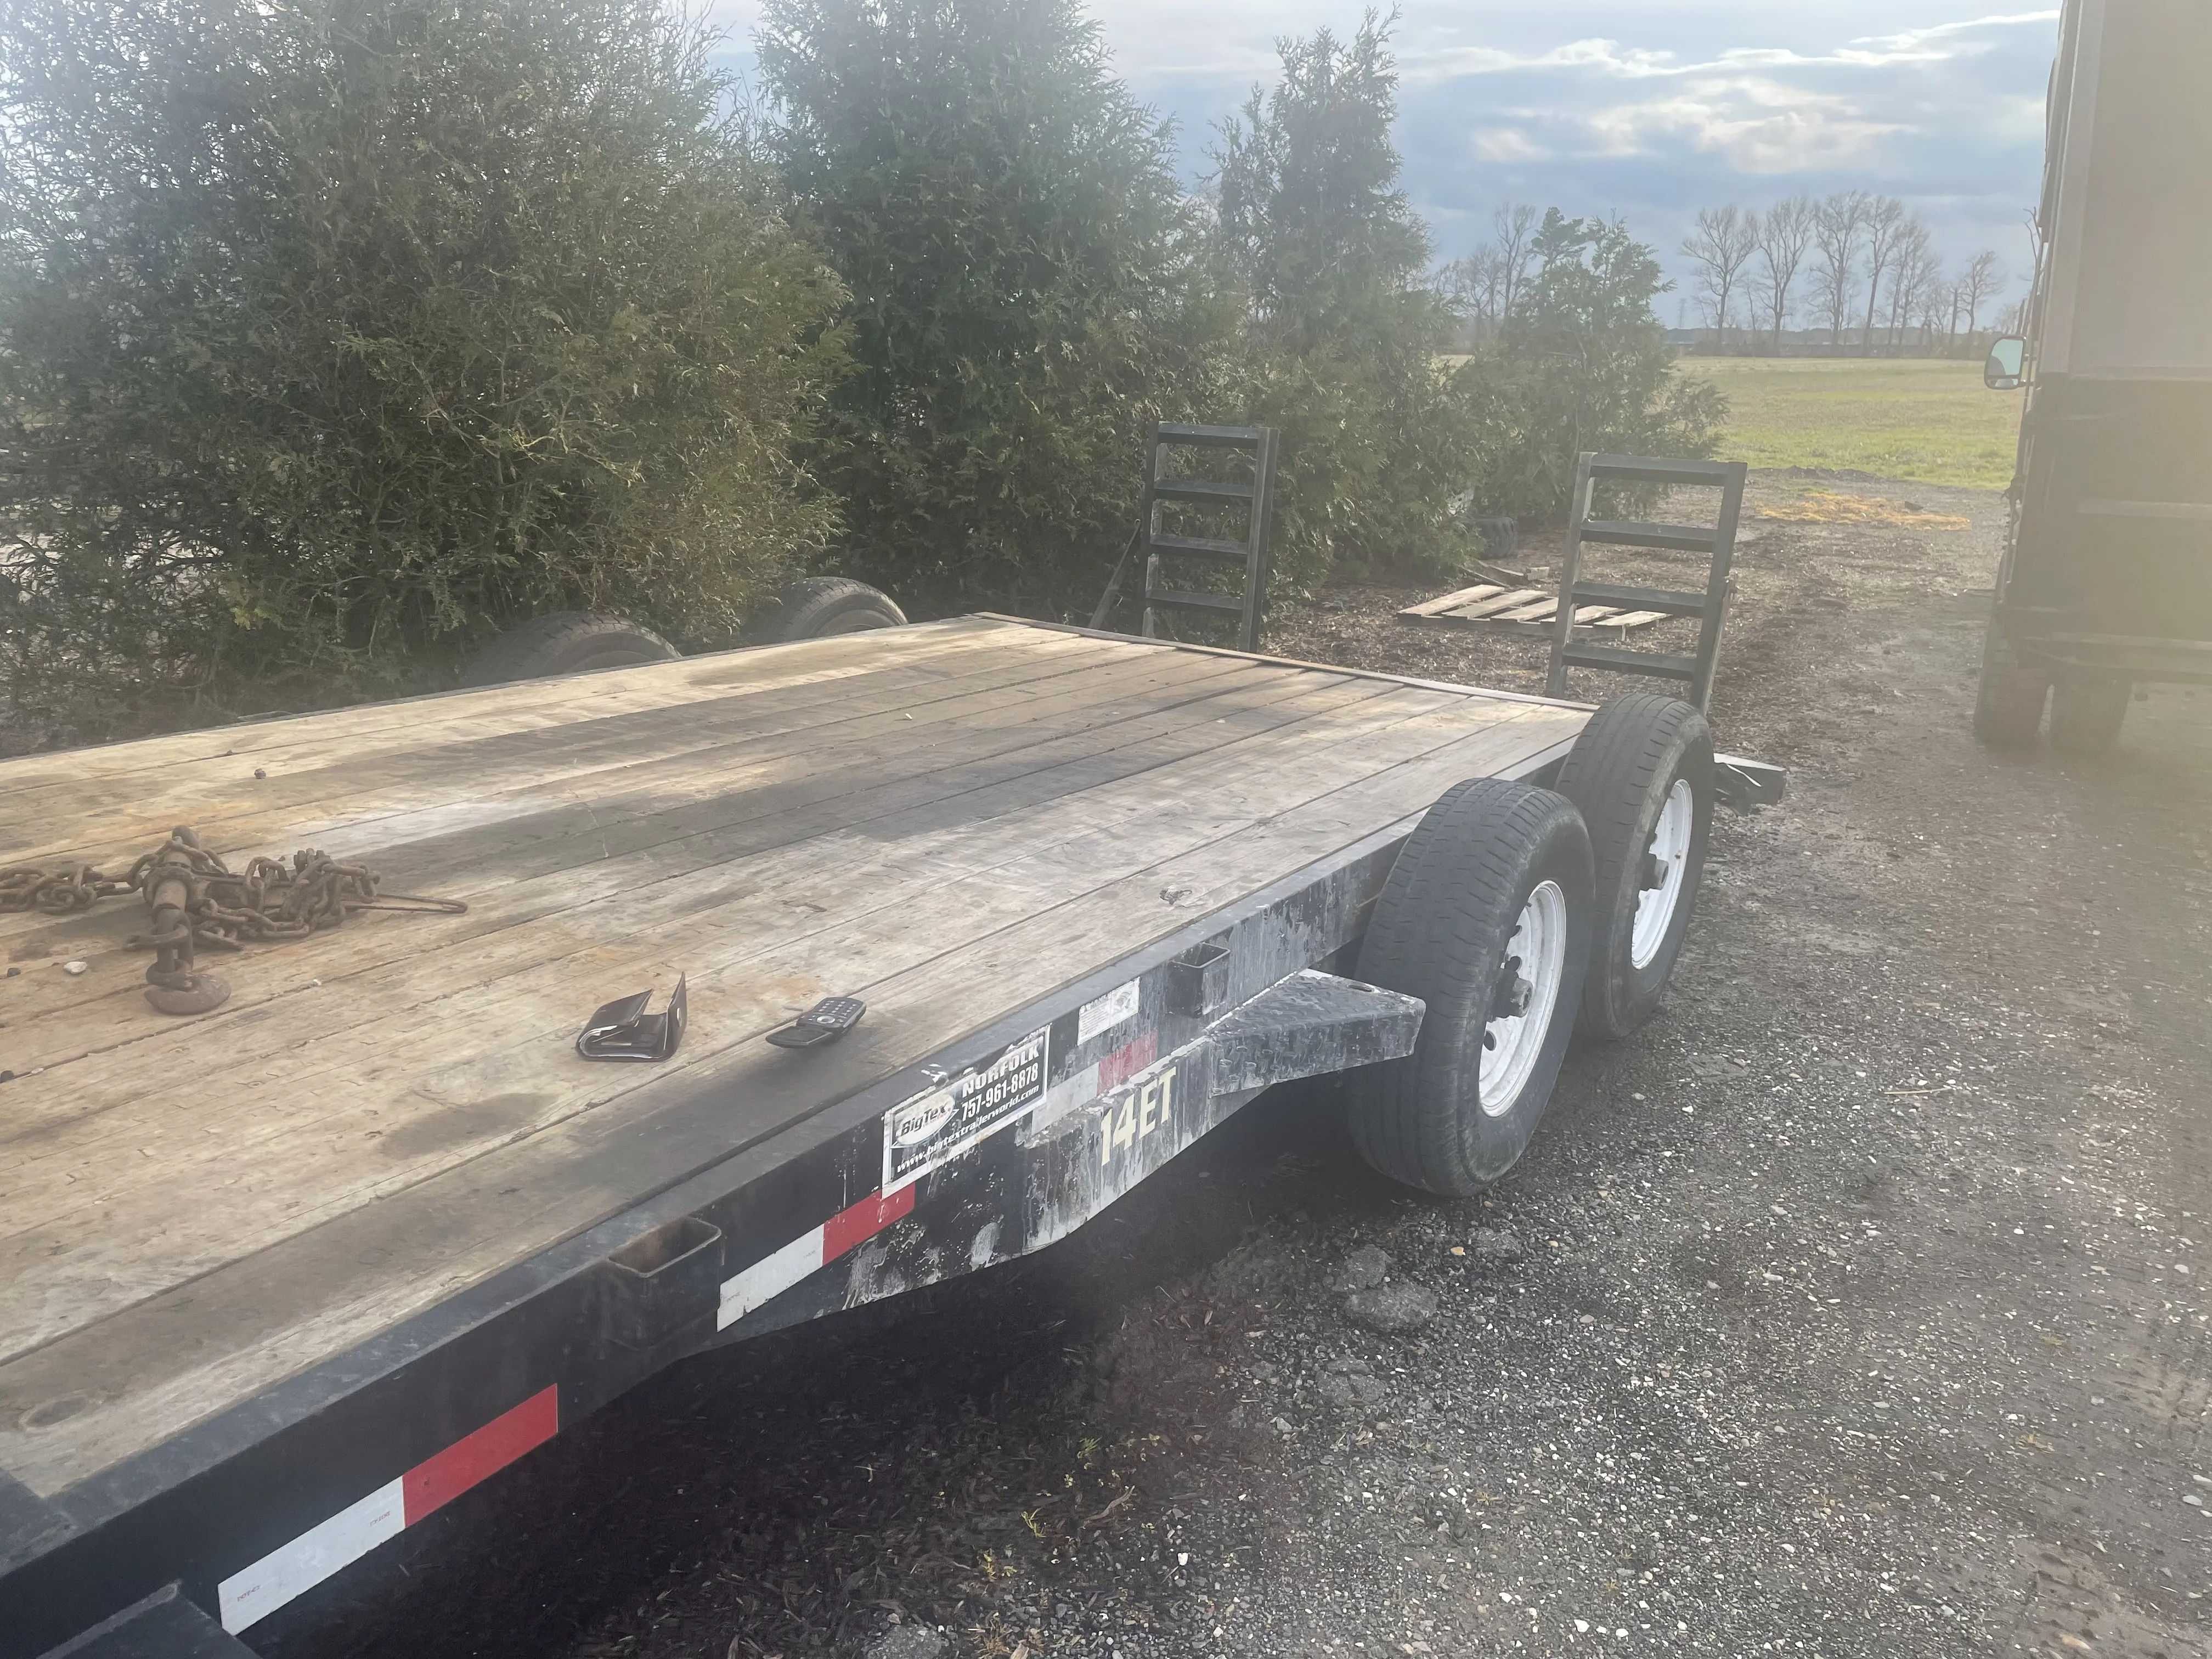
x=2008, y=358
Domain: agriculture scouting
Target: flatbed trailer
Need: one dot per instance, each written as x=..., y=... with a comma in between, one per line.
x=278, y=1280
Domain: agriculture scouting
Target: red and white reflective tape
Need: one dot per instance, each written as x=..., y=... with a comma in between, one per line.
x=1101, y=1077
x=816, y=1247
x=315, y=1554
x=812, y=1251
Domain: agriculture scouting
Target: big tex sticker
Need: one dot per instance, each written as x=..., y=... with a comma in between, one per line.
x=937, y=1126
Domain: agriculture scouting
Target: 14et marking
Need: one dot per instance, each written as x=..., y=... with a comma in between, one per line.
x=1147, y=1106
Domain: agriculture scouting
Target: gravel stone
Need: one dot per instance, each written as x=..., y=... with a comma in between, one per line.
x=1363, y=1270
x=1353, y=1393
x=1393, y=1309
x=1494, y=1245
x=909, y=1642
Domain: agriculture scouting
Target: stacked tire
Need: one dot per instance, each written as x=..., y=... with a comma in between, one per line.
x=582, y=641
x=566, y=642
x=816, y=607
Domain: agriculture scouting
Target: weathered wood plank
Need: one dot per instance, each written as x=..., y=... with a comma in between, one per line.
x=1543, y=609
x=496, y=1063
x=1452, y=601
x=514, y=803
x=519, y=880
x=758, y=865
x=1511, y=600
x=660, y=685
x=461, y=758
x=279, y=1310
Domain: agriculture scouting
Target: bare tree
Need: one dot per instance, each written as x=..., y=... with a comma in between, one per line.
x=1885, y=225
x=1983, y=280
x=1933, y=297
x=1470, y=285
x=1929, y=285
x=1483, y=286
x=1721, y=244
x=1939, y=314
x=1785, y=232
x=1913, y=269
x=1838, y=225
x=1513, y=236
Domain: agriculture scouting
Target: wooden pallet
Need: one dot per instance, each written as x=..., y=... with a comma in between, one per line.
x=1496, y=608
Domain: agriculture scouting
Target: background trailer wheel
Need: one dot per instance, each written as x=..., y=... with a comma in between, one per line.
x=816, y=606
x=2085, y=713
x=566, y=642
x=1640, y=773
x=2009, y=697
x=1486, y=918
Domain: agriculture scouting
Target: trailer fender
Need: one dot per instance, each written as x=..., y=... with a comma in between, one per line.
x=1310, y=1025
x=1036, y=1175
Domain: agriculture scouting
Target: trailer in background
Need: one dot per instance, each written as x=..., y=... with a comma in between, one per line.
x=2107, y=574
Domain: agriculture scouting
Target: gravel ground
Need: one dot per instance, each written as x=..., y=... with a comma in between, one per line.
x=1853, y=1308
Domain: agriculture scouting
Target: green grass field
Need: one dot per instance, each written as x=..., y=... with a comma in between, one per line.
x=1927, y=419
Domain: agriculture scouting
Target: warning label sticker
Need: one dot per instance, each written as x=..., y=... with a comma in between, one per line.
x=1104, y=1013
x=937, y=1126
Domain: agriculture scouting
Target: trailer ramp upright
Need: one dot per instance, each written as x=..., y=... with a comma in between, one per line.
x=1580, y=600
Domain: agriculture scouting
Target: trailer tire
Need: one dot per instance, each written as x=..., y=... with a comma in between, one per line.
x=566, y=642
x=1640, y=773
x=2008, y=701
x=1491, y=864
x=2086, y=713
x=815, y=607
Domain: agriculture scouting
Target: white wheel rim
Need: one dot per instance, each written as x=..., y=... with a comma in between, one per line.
x=1670, y=849
x=1535, y=962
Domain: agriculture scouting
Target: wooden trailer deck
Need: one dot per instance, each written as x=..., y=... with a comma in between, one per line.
x=942, y=819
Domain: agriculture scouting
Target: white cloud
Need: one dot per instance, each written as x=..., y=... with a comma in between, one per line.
x=1644, y=108
x=1506, y=144
x=1420, y=65
x=1761, y=126
x=1937, y=44
x=1911, y=39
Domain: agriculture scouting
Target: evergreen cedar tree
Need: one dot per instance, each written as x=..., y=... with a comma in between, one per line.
x=1030, y=286
x=337, y=334
x=1027, y=290
x=1342, y=335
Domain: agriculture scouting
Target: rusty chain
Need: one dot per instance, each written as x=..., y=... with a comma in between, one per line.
x=59, y=892
x=195, y=899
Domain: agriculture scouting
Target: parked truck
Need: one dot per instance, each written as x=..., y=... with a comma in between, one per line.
x=2106, y=580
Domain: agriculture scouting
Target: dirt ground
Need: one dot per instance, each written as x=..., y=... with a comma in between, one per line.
x=1853, y=1308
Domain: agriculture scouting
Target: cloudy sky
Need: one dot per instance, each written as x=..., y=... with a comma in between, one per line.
x=1650, y=109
